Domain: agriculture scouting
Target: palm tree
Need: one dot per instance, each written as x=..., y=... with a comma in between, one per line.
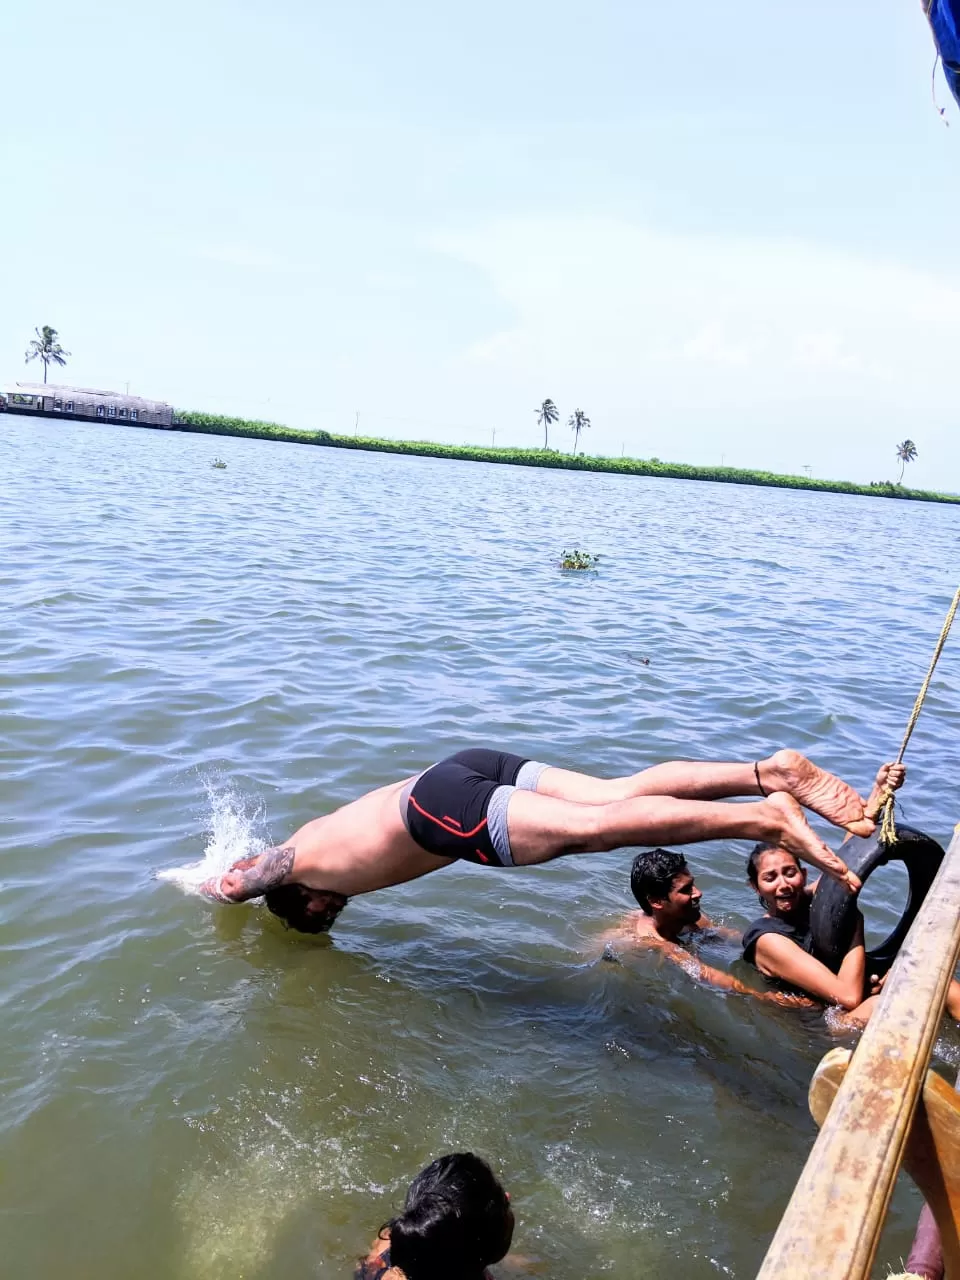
x=46, y=347
x=906, y=452
x=578, y=420
x=546, y=414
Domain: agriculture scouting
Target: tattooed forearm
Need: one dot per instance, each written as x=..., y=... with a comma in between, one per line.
x=254, y=876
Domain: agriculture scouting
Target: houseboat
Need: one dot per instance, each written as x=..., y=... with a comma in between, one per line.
x=48, y=401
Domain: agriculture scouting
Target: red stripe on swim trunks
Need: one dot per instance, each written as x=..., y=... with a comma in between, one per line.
x=466, y=835
x=447, y=818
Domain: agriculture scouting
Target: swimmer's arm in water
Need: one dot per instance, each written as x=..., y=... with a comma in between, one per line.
x=726, y=981
x=780, y=957
x=252, y=877
x=626, y=936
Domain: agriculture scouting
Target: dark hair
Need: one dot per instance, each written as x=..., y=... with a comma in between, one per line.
x=308, y=910
x=653, y=872
x=455, y=1222
x=753, y=862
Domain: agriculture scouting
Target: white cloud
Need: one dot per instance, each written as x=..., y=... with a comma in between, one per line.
x=777, y=348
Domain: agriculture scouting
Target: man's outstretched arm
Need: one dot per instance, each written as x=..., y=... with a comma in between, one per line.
x=622, y=937
x=727, y=982
x=252, y=877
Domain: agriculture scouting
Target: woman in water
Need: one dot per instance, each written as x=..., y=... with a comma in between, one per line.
x=780, y=945
x=456, y=1222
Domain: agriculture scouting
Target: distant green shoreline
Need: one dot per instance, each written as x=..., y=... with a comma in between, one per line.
x=214, y=424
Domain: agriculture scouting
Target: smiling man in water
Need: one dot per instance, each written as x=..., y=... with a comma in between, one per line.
x=502, y=810
x=670, y=919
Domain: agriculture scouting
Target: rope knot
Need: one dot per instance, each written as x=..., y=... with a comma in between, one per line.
x=888, y=825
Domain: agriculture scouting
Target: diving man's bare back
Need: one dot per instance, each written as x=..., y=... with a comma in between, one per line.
x=361, y=847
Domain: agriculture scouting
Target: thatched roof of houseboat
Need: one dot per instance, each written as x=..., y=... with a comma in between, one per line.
x=59, y=391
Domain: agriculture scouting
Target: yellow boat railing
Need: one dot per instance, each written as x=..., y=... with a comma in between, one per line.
x=879, y=1108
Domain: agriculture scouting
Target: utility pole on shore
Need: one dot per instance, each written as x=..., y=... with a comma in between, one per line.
x=356, y=422
x=493, y=443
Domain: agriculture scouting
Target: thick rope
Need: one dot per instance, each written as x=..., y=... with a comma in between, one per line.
x=888, y=826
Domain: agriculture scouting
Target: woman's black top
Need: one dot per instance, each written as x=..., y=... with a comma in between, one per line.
x=798, y=932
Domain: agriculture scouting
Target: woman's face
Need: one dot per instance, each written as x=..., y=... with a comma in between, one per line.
x=780, y=881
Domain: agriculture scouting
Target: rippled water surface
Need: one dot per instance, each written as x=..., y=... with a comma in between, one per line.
x=197, y=659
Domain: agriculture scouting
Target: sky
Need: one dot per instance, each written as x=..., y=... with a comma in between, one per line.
x=728, y=233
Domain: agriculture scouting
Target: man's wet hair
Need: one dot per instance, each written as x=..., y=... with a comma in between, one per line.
x=456, y=1221
x=653, y=873
x=753, y=862
x=306, y=910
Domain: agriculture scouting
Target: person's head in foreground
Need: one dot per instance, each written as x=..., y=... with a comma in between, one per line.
x=779, y=879
x=456, y=1221
x=303, y=909
x=665, y=889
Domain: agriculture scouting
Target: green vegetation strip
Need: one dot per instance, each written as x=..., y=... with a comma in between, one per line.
x=214, y=424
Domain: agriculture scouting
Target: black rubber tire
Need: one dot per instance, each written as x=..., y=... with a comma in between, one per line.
x=833, y=909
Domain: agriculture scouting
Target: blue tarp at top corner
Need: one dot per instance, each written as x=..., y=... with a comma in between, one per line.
x=944, y=18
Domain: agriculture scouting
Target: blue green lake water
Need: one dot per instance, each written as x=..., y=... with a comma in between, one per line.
x=194, y=660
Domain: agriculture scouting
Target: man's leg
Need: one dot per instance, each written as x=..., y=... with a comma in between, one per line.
x=542, y=827
x=787, y=771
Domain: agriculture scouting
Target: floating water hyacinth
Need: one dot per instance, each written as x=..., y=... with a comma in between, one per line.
x=578, y=560
x=219, y=464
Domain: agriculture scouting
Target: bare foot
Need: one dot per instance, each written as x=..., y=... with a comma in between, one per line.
x=795, y=834
x=816, y=789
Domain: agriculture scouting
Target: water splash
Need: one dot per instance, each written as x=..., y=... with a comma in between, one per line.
x=234, y=829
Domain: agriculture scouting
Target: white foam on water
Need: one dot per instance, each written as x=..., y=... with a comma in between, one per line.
x=234, y=831
x=947, y=1052
x=598, y=1197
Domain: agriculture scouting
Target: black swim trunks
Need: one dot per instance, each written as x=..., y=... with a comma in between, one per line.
x=458, y=808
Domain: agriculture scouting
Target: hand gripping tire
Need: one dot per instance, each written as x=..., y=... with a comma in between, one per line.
x=833, y=909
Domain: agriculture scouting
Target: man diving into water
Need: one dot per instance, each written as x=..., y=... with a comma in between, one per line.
x=502, y=810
